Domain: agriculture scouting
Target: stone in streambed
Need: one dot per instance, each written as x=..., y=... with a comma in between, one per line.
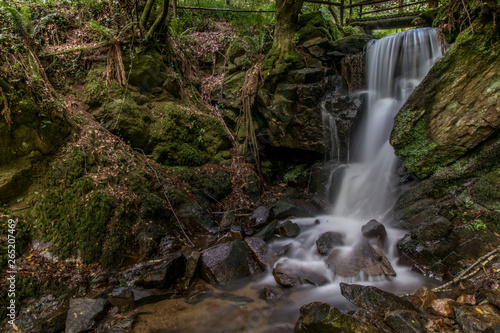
x=288, y=229
x=423, y=298
x=375, y=300
x=374, y=229
x=327, y=241
x=163, y=274
x=443, y=307
x=84, y=313
x=227, y=262
x=477, y=318
x=320, y=317
x=287, y=274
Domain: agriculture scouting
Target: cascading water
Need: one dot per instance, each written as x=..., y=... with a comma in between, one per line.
x=395, y=64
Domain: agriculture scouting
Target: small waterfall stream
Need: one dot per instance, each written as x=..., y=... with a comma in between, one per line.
x=395, y=64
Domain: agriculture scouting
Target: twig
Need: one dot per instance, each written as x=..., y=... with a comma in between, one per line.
x=483, y=260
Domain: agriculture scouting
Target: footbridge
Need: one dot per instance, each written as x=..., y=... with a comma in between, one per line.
x=378, y=14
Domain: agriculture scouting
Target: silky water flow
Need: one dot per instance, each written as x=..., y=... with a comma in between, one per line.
x=396, y=64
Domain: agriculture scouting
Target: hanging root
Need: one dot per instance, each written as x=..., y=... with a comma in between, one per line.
x=248, y=93
x=5, y=110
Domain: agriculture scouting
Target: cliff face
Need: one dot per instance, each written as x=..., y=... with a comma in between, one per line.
x=455, y=108
x=447, y=135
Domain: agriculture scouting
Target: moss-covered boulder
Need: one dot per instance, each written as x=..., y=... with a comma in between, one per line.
x=316, y=25
x=148, y=70
x=455, y=108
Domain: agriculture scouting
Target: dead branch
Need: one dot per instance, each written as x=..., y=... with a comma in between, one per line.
x=76, y=49
x=225, y=9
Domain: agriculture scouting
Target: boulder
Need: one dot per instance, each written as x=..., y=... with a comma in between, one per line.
x=328, y=241
x=287, y=207
x=467, y=299
x=227, y=262
x=351, y=44
x=320, y=317
x=492, y=296
x=259, y=250
x=287, y=229
x=375, y=300
x=363, y=257
x=374, y=229
x=454, y=109
x=84, y=314
x=407, y=321
x=148, y=71
x=477, y=318
x=147, y=296
x=164, y=273
x=259, y=217
x=288, y=274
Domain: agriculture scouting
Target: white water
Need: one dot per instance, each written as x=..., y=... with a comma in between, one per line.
x=395, y=64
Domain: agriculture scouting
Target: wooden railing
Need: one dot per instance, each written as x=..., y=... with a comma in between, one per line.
x=371, y=6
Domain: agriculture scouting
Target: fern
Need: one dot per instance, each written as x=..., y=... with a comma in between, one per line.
x=18, y=19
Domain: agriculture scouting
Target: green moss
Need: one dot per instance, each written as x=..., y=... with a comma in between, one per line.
x=186, y=138
x=415, y=147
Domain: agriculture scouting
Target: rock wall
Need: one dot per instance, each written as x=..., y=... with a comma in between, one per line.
x=447, y=135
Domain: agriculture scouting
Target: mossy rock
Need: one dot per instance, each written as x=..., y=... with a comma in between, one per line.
x=235, y=50
x=124, y=117
x=148, y=70
x=243, y=63
x=231, y=86
x=454, y=109
x=211, y=187
x=314, y=25
x=183, y=138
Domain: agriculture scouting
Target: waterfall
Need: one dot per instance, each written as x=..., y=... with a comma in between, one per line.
x=395, y=66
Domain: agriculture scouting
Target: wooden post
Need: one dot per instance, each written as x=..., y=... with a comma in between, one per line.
x=174, y=8
x=361, y=11
x=342, y=13
x=350, y=10
x=400, y=10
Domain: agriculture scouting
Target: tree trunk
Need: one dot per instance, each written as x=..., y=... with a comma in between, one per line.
x=146, y=12
x=287, y=14
x=159, y=20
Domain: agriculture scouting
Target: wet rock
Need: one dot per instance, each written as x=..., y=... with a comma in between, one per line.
x=372, y=320
x=492, y=296
x=226, y=262
x=122, y=298
x=467, y=299
x=272, y=295
x=287, y=207
x=195, y=217
x=374, y=229
x=163, y=274
x=259, y=249
x=423, y=298
x=288, y=274
x=322, y=318
x=147, y=296
x=477, y=318
x=443, y=307
x=439, y=326
x=84, y=313
x=492, y=329
x=52, y=323
x=288, y=229
x=267, y=232
x=328, y=241
x=259, y=217
x=406, y=321
x=227, y=220
x=375, y=300
x=117, y=322
x=364, y=257
x=191, y=267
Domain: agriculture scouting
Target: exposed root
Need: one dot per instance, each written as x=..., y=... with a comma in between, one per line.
x=5, y=110
x=248, y=93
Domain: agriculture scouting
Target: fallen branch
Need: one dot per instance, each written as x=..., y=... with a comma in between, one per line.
x=483, y=261
x=225, y=9
x=76, y=49
x=5, y=110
